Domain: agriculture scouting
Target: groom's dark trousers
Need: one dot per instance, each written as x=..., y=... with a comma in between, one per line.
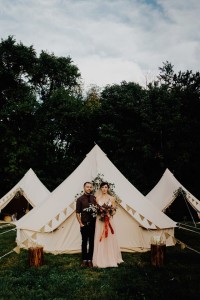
x=87, y=233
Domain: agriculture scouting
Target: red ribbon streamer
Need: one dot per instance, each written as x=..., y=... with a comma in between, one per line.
x=106, y=226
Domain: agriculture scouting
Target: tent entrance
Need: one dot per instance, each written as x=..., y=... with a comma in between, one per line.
x=16, y=208
x=181, y=210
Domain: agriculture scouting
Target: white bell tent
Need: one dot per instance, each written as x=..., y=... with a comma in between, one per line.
x=166, y=192
x=32, y=190
x=53, y=224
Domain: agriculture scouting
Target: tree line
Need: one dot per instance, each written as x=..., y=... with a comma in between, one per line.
x=48, y=123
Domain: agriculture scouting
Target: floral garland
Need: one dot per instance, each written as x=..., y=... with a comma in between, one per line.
x=96, y=184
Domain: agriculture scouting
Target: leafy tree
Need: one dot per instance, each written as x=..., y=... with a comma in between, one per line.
x=121, y=127
x=173, y=106
x=166, y=75
x=52, y=72
x=35, y=93
x=46, y=123
x=17, y=106
x=57, y=126
x=93, y=99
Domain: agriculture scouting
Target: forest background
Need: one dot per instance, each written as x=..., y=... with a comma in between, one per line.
x=49, y=123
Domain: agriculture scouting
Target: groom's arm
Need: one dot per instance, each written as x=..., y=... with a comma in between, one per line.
x=78, y=216
x=78, y=212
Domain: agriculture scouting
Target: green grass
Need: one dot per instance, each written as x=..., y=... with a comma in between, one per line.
x=61, y=277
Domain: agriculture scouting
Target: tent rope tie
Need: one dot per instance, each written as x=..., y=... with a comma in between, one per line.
x=6, y=254
x=7, y=231
x=185, y=198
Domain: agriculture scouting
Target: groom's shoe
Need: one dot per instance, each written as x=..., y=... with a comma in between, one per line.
x=90, y=264
x=84, y=263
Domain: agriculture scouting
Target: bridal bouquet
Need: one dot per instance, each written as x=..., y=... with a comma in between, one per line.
x=105, y=211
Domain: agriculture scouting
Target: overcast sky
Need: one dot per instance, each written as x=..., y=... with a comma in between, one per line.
x=109, y=40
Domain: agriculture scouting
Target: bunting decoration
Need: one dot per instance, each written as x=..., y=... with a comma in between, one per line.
x=128, y=207
x=174, y=240
x=167, y=235
x=133, y=211
x=183, y=246
x=42, y=229
x=25, y=243
x=141, y=217
x=34, y=236
x=65, y=211
x=57, y=217
x=17, y=249
x=72, y=205
x=50, y=223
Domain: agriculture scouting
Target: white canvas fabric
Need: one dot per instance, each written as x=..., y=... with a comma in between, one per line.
x=30, y=187
x=165, y=192
x=53, y=224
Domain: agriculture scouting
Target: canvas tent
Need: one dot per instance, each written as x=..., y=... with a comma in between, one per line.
x=166, y=191
x=54, y=226
x=27, y=193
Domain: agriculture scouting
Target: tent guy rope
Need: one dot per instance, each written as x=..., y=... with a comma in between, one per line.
x=184, y=197
x=185, y=225
x=6, y=254
x=7, y=231
x=188, y=229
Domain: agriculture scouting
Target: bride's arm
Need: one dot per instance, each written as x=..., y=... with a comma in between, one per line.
x=113, y=201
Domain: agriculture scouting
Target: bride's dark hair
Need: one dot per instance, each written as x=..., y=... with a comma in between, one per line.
x=104, y=183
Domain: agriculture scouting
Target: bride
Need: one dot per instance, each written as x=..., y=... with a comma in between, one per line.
x=106, y=249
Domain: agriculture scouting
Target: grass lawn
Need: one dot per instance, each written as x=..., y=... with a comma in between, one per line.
x=61, y=277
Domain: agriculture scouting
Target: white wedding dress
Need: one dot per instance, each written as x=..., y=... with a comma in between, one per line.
x=106, y=252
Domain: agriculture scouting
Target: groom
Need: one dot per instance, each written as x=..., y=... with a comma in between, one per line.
x=87, y=223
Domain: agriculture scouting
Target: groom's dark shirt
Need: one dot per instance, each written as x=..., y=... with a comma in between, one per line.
x=83, y=202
